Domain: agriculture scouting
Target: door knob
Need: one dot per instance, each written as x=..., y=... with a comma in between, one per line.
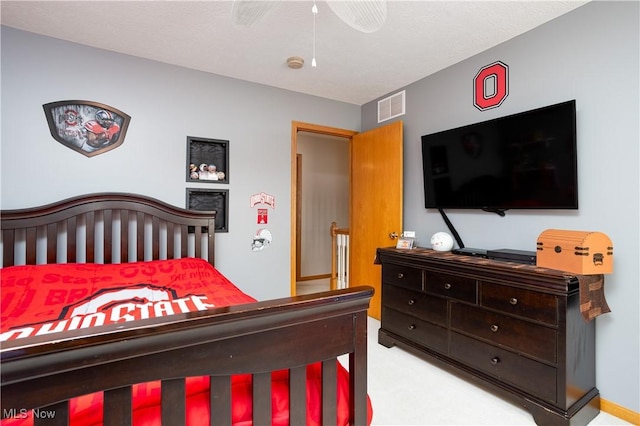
x=393, y=235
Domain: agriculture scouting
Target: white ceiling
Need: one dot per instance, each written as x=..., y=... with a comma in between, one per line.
x=418, y=39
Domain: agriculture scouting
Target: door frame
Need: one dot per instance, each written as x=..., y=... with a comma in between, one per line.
x=298, y=126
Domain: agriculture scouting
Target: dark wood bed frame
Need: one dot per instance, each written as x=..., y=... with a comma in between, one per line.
x=256, y=338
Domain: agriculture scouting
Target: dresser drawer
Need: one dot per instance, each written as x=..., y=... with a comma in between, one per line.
x=524, y=303
x=522, y=336
x=417, y=304
x=531, y=376
x=421, y=332
x=452, y=286
x=402, y=276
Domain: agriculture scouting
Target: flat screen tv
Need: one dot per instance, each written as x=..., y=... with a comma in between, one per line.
x=522, y=161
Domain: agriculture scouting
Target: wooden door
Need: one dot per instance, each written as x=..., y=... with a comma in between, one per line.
x=376, y=203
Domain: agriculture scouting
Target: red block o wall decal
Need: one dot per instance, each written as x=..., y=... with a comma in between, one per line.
x=491, y=86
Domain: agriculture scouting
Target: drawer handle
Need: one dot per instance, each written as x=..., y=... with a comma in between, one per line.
x=513, y=301
x=412, y=327
x=447, y=286
x=495, y=360
x=400, y=275
x=411, y=302
x=494, y=328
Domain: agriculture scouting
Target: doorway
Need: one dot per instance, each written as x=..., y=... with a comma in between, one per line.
x=322, y=199
x=310, y=259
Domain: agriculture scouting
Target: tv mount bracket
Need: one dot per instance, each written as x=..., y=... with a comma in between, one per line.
x=499, y=212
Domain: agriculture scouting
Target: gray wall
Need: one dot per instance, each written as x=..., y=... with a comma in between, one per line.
x=167, y=104
x=591, y=55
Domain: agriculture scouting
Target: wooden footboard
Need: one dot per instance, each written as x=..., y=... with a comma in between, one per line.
x=256, y=338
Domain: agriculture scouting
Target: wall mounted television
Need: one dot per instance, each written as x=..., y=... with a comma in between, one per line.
x=521, y=161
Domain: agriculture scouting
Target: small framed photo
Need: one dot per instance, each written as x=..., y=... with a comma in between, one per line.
x=404, y=243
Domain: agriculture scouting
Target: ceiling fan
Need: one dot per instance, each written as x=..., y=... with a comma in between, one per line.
x=366, y=16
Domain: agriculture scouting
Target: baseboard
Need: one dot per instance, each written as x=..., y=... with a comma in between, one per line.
x=620, y=412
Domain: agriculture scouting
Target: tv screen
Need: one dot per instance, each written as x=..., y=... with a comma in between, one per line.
x=521, y=161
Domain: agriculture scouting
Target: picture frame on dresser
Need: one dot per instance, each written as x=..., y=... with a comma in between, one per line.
x=207, y=160
x=205, y=199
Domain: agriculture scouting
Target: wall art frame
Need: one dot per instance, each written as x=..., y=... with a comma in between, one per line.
x=207, y=160
x=90, y=128
x=204, y=199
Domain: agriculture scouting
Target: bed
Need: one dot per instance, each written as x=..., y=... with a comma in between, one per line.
x=204, y=357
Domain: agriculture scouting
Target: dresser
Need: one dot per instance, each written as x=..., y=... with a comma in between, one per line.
x=516, y=329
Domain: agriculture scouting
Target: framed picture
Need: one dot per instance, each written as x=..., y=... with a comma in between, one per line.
x=211, y=200
x=404, y=243
x=207, y=160
x=87, y=127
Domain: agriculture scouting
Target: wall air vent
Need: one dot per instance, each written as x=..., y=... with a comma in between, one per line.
x=391, y=107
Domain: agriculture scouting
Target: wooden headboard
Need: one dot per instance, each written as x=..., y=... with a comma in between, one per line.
x=105, y=228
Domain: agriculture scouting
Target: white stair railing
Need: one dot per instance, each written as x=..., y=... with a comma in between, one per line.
x=339, y=257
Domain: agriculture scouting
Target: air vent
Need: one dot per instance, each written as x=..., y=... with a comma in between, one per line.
x=391, y=107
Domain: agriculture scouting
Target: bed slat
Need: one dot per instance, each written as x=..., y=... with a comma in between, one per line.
x=198, y=245
x=170, y=241
x=31, y=241
x=262, y=398
x=71, y=240
x=173, y=396
x=210, y=238
x=220, y=388
x=155, y=238
x=52, y=242
x=107, y=220
x=184, y=236
x=90, y=243
x=329, y=392
x=8, y=247
x=124, y=236
x=298, y=395
x=358, y=369
x=140, y=235
x=118, y=407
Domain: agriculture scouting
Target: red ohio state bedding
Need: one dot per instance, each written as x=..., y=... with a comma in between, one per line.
x=47, y=299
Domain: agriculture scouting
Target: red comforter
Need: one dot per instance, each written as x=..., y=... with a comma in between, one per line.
x=46, y=299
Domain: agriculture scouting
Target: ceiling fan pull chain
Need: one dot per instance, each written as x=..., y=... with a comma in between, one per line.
x=314, y=11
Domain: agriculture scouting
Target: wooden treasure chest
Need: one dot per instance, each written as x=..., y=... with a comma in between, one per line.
x=579, y=252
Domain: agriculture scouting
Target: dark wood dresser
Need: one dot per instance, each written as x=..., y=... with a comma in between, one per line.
x=514, y=328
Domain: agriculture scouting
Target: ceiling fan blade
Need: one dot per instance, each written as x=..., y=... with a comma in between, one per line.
x=246, y=13
x=366, y=16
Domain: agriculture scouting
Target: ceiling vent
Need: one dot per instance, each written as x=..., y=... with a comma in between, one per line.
x=391, y=107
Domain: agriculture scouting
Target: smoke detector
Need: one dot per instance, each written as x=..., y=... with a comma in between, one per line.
x=295, y=62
